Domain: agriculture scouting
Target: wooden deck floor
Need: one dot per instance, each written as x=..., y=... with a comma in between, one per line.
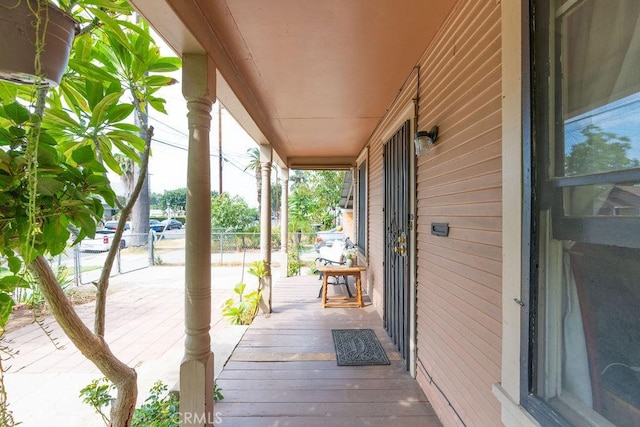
x=284, y=371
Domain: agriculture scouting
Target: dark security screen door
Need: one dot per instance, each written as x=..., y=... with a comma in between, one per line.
x=396, y=224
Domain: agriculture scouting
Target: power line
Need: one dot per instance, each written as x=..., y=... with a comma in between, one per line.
x=178, y=131
x=225, y=156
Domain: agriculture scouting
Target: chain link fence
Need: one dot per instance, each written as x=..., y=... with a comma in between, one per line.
x=85, y=263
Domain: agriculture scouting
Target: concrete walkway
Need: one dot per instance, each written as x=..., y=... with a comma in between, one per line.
x=145, y=329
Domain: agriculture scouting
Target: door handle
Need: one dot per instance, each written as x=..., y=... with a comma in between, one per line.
x=401, y=248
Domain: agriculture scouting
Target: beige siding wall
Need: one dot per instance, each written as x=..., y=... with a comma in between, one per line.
x=459, y=182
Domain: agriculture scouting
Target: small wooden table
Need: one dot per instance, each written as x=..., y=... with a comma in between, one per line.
x=341, y=270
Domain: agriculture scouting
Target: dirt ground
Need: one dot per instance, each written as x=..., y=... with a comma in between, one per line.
x=23, y=315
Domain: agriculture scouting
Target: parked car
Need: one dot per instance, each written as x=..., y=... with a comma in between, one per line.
x=327, y=238
x=156, y=225
x=102, y=241
x=171, y=224
x=111, y=225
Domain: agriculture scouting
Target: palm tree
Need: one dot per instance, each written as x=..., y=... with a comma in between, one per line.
x=298, y=178
x=254, y=164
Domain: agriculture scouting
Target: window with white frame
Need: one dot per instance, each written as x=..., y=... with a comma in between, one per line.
x=584, y=324
x=361, y=238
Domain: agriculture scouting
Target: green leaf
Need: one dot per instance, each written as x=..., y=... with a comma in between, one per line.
x=107, y=156
x=15, y=264
x=239, y=288
x=126, y=150
x=61, y=119
x=136, y=28
x=83, y=155
x=127, y=127
x=119, y=112
x=95, y=93
x=120, y=7
x=49, y=186
x=133, y=139
x=16, y=112
x=47, y=156
x=97, y=180
x=8, y=91
x=55, y=234
x=159, y=81
x=102, y=108
x=108, y=195
x=158, y=104
x=82, y=46
x=9, y=280
x=165, y=64
x=113, y=28
x=87, y=224
x=46, y=139
x=73, y=98
x=6, y=307
x=92, y=72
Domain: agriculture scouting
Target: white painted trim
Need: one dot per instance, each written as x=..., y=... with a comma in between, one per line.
x=407, y=113
x=363, y=157
x=413, y=260
x=512, y=413
x=512, y=182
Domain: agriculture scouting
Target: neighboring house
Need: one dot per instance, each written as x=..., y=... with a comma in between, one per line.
x=518, y=301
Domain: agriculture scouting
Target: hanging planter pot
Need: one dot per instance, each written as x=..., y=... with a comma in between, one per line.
x=18, y=40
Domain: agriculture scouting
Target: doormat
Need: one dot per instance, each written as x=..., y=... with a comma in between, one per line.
x=358, y=347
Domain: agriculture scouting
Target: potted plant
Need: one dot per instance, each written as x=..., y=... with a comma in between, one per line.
x=35, y=41
x=350, y=256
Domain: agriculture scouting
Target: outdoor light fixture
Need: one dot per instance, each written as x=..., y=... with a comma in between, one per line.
x=424, y=140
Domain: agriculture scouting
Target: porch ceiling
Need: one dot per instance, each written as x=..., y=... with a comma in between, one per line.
x=311, y=78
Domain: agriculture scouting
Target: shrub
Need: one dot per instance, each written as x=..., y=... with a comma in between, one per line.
x=160, y=409
x=242, y=311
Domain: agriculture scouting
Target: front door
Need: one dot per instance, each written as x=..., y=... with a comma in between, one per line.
x=396, y=223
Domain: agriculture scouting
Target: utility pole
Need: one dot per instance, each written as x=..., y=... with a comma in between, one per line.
x=220, y=146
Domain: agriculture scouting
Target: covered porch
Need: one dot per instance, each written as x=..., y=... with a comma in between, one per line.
x=284, y=371
x=346, y=86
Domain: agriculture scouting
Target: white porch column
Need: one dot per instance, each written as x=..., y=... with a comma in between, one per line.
x=196, y=369
x=284, y=221
x=265, y=225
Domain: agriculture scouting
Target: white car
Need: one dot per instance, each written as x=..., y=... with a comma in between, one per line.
x=102, y=241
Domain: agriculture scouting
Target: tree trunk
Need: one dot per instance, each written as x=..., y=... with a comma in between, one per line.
x=140, y=213
x=141, y=209
x=90, y=345
x=258, y=174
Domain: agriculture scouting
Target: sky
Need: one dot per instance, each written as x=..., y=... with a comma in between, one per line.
x=168, y=162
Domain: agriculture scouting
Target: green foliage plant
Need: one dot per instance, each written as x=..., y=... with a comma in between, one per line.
x=241, y=311
x=294, y=265
x=31, y=295
x=217, y=392
x=231, y=213
x=160, y=409
x=97, y=395
x=314, y=197
x=56, y=147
